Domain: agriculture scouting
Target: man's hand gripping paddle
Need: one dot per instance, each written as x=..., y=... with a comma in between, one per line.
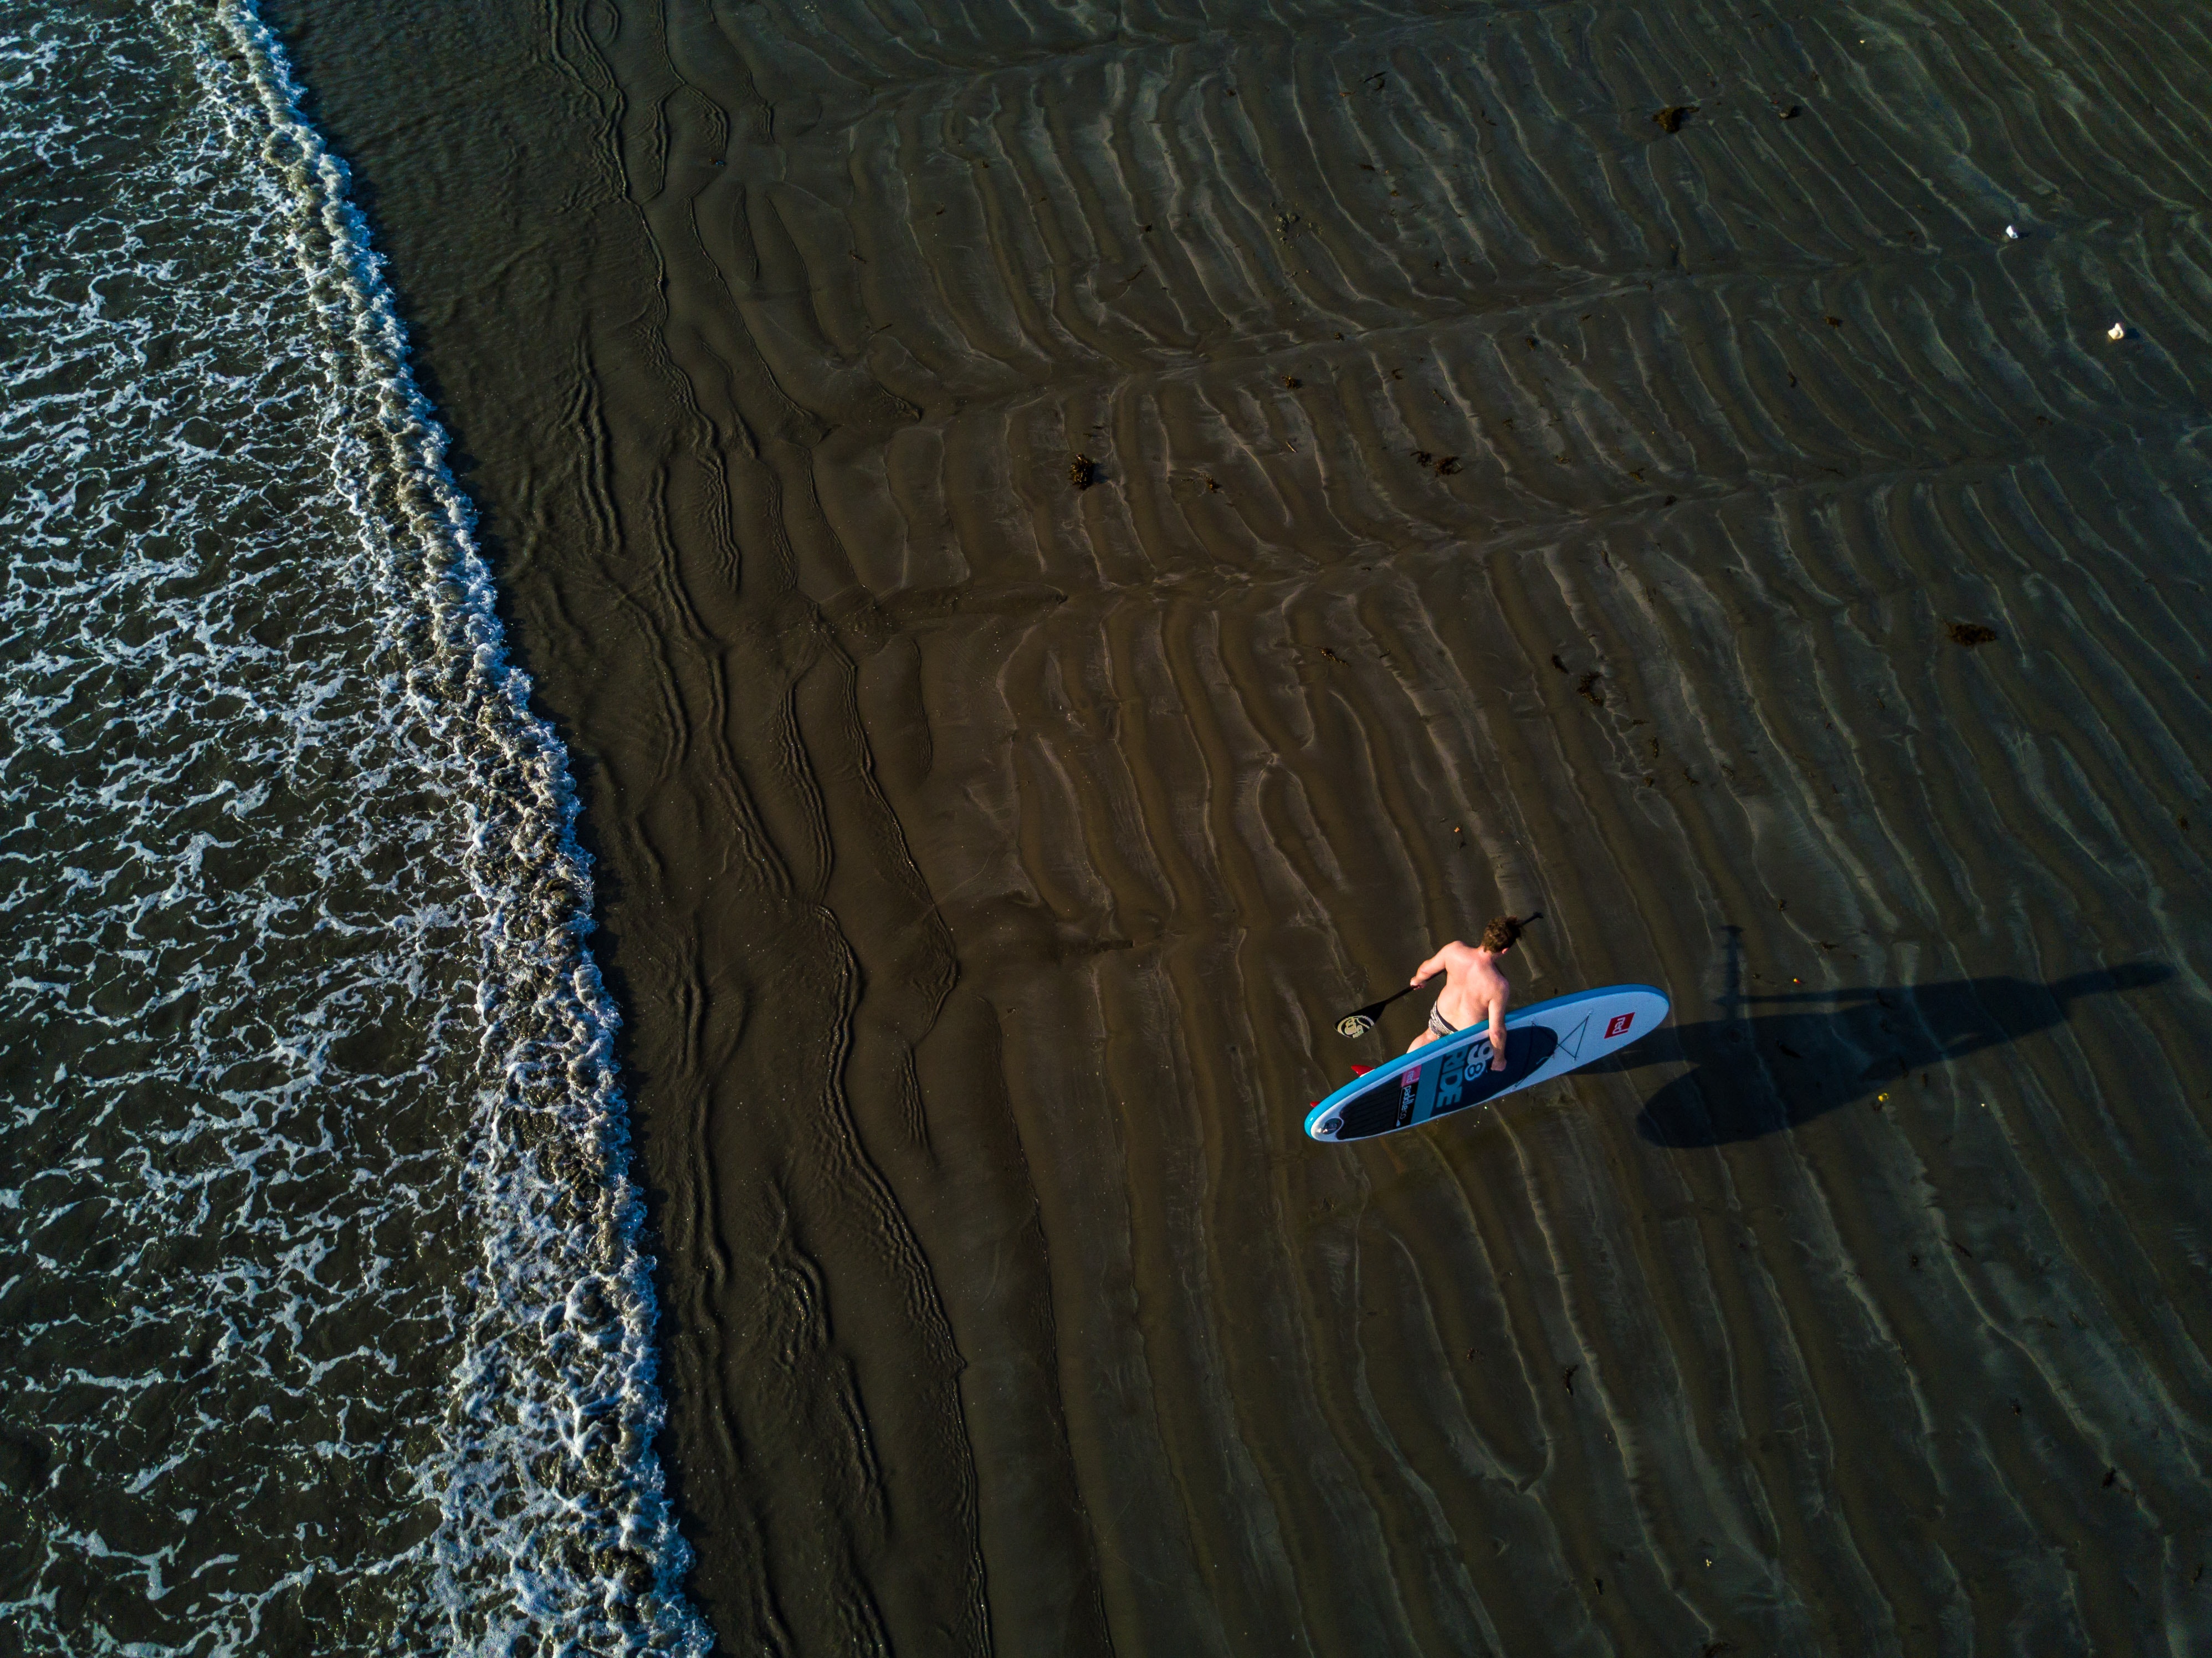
x=1359, y=1024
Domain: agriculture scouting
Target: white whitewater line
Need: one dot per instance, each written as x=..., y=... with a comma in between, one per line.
x=553, y=1257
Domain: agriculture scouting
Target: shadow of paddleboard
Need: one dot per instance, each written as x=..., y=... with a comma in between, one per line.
x=1809, y=1053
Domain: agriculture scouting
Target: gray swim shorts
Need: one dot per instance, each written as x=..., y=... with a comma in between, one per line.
x=1441, y=1025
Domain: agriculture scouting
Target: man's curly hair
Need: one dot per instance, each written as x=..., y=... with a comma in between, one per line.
x=1503, y=934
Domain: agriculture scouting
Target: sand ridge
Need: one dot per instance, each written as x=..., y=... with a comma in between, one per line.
x=1497, y=500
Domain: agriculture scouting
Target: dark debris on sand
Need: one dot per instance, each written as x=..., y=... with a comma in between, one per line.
x=1971, y=634
x=1083, y=471
x=1670, y=118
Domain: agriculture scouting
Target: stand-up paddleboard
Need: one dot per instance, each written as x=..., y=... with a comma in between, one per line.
x=1543, y=1042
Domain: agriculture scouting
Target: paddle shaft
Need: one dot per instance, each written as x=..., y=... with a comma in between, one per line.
x=1373, y=1008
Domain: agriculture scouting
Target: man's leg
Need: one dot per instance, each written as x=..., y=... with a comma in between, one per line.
x=1438, y=1026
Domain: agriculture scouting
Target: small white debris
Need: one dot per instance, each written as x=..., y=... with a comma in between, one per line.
x=2116, y=331
x=2012, y=233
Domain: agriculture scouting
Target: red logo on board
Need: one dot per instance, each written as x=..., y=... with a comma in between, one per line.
x=1621, y=1021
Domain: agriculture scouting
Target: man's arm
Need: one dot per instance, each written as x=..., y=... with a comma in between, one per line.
x=1435, y=964
x=1497, y=1033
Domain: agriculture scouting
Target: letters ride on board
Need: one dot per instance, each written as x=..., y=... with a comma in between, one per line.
x=1543, y=1042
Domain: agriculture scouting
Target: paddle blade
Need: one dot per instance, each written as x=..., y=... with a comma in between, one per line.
x=1355, y=1025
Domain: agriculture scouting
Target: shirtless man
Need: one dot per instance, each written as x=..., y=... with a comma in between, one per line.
x=1473, y=987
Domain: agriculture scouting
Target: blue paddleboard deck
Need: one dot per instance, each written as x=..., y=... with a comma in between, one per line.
x=1542, y=1041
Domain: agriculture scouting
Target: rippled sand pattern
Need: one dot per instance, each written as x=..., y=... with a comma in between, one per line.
x=1723, y=538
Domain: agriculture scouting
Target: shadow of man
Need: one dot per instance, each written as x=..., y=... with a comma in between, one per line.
x=1765, y=1073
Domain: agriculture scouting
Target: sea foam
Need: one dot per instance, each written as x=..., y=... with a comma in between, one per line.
x=328, y=1324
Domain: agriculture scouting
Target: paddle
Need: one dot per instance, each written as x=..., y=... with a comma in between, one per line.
x=1359, y=1024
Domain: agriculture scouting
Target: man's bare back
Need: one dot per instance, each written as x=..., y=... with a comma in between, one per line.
x=1474, y=990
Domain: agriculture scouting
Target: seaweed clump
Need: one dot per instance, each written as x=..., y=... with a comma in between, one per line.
x=1083, y=471
x=1971, y=634
x=1670, y=118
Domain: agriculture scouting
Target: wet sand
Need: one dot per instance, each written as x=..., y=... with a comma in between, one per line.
x=1723, y=538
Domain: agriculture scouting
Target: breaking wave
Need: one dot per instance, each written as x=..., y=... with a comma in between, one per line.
x=329, y=1318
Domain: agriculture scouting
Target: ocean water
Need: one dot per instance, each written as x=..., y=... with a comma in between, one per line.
x=324, y=1320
